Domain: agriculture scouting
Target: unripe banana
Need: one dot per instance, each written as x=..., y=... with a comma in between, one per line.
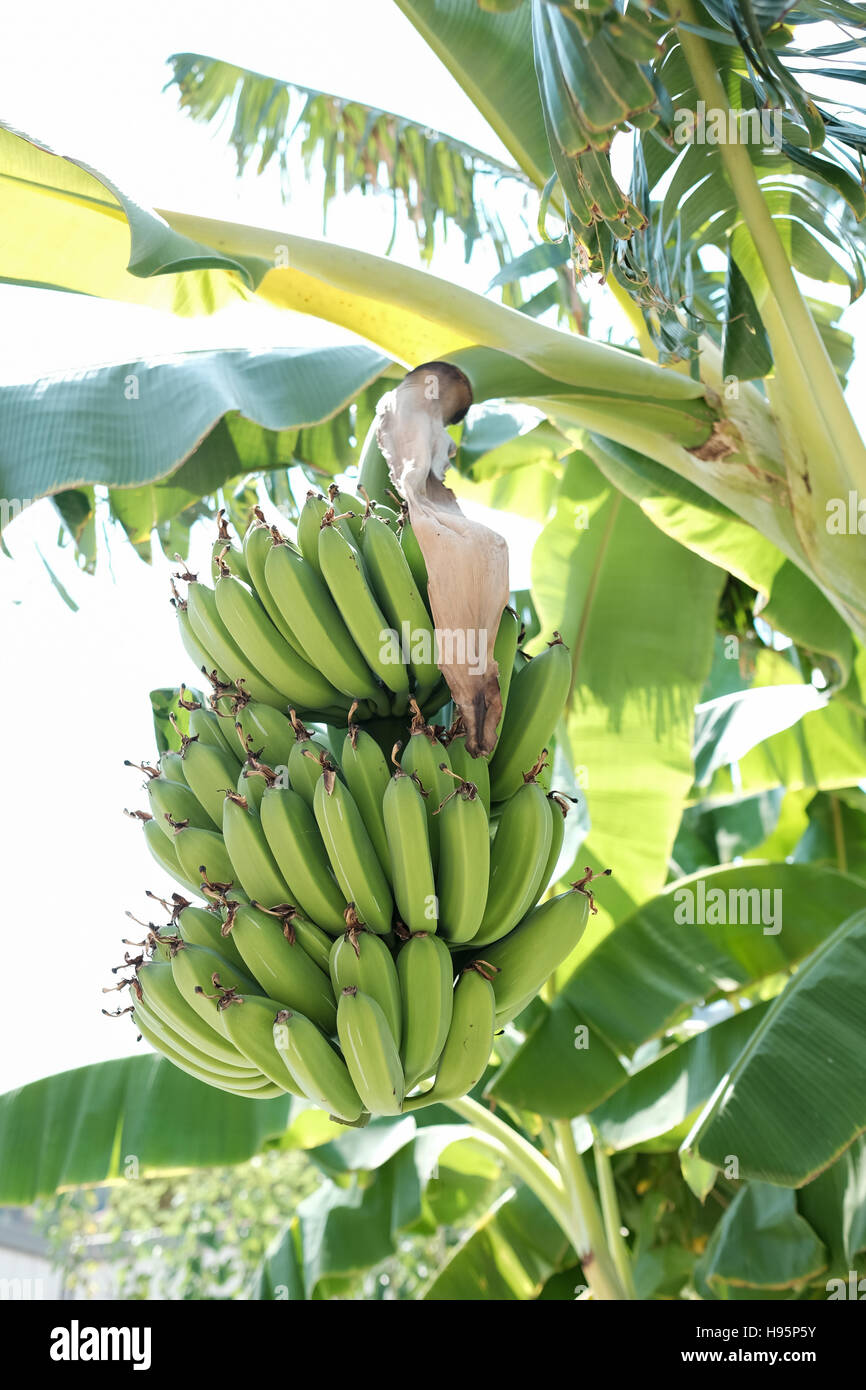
x=464, y=863
x=400, y=601
x=414, y=555
x=370, y=1052
x=248, y=1022
x=203, y=854
x=201, y=659
x=518, y=860
x=351, y=853
x=251, y=786
x=210, y=771
x=470, y=769
x=254, y=866
x=213, y=636
x=175, y=1042
x=169, y=801
x=470, y=1038
x=367, y=777
x=162, y=996
x=307, y=607
x=526, y=957
x=306, y=762
x=171, y=767
x=205, y=726
x=296, y=844
x=232, y=558
x=201, y=926
x=347, y=582
x=504, y=654
x=279, y=963
x=265, y=732
x=535, y=703
x=165, y=853
x=249, y=626
x=258, y=1088
x=411, y=868
x=426, y=979
x=361, y=959
x=202, y=977
x=315, y=1066
x=309, y=521
x=424, y=755
x=314, y=941
x=349, y=509
x=559, y=808
x=258, y=543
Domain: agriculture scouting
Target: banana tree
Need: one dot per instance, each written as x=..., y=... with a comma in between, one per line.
x=712, y=458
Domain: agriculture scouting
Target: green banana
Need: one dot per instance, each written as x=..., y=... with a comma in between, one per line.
x=361, y=959
x=201, y=926
x=171, y=767
x=207, y=727
x=309, y=521
x=265, y=732
x=308, y=609
x=412, y=550
x=426, y=991
x=223, y=550
x=470, y=1038
x=202, y=977
x=280, y=964
x=210, y=772
x=162, y=996
x=251, y=785
x=258, y=543
x=248, y=1021
x=518, y=859
x=464, y=862
x=559, y=808
x=258, y=1088
x=306, y=761
x=165, y=853
x=198, y=1056
x=504, y=654
x=342, y=572
x=170, y=801
x=315, y=1066
x=351, y=853
x=252, y=861
x=367, y=777
x=314, y=941
x=411, y=868
x=249, y=626
x=535, y=702
x=211, y=632
x=201, y=659
x=370, y=1052
x=424, y=755
x=526, y=957
x=349, y=509
x=400, y=601
x=203, y=854
x=293, y=836
x=470, y=769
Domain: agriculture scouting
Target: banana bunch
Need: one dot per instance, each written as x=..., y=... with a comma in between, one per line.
x=360, y=904
x=336, y=617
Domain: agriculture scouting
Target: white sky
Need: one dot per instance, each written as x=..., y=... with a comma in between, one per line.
x=88, y=82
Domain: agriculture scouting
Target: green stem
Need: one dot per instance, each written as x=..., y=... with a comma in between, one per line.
x=826, y=391
x=612, y=1219
x=522, y=1158
x=587, y=1231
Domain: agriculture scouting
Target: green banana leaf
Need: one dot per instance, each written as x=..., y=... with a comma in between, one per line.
x=834, y=1204
x=511, y=1252
x=762, y=1242
x=649, y=972
x=136, y=422
x=795, y=1098
x=609, y=581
